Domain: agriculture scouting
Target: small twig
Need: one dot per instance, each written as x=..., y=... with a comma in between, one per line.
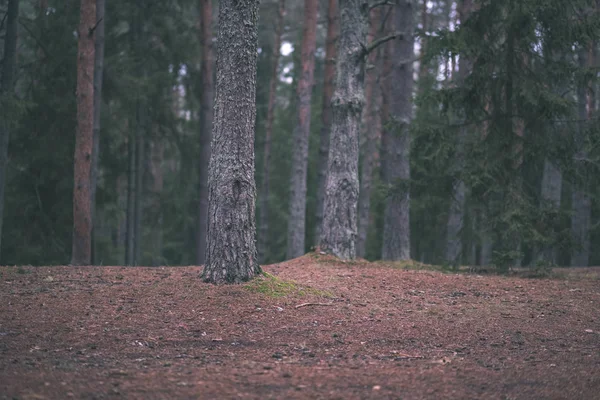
x=313, y=304
x=93, y=29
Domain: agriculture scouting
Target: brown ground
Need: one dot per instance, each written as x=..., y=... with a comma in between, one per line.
x=159, y=333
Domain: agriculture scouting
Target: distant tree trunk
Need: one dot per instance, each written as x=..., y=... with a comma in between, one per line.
x=6, y=91
x=328, y=87
x=139, y=182
x=297, y=213
x=84, y=139
x=131, y=174
x=98, y=77
x=581, y=199
x=339, y=230
x=206, y=122
x=372, y=133
x=231, y=248
x=264, y=195
x=456, y=213
x=396, y=232
x=156, y=162
x=550, y=194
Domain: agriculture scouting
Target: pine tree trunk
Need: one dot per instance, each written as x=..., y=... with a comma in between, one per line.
x=396, y=232
x=131, y=173
x=206, y=122
x=297, y=209
x=157, y=189
x=456, y=215
x=339, y=230
x=84, y=139
x=551, y=191
x=98, y=77
x=372, y=134
x=139, y=183
x=264, y=195
x=6, y=92
x=231, y=248
x=580, y=199
x=328, y=87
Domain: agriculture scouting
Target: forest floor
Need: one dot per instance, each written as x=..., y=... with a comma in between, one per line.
x=311, y=328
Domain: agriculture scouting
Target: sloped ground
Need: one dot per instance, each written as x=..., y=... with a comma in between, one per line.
x=369, y=331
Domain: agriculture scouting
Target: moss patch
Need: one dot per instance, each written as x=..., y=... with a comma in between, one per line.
x=272, y=286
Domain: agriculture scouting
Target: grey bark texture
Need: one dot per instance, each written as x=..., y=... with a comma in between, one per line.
x=339, y=229
x=297, y=207
x=328, y=87
x=580, y=198
x=206, y=122
x=98, y=78
x=396, y=231
x=6, y=92
x=371, y=129
x=231, y=255
x=456, y=215
x=264, y=194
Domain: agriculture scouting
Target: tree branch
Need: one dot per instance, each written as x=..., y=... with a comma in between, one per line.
x=380, y=3
x=379, y=41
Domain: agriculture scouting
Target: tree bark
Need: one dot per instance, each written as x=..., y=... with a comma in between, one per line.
x=372, y=134
x=206, y=122
x=396, y=231
x=84, y=139
x=231, y=248
x=339, y=230
x=6, y=92
x=297, y=208
x=580, y=198
x=328, y=87
x=456, y=213
x=264, y=196
x=98, y=77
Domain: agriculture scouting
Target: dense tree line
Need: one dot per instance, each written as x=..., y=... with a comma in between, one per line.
x=445, y=131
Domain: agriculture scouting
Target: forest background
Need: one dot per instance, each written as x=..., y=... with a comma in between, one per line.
x=503, y=151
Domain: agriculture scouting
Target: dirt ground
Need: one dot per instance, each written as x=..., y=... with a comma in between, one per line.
x=369, y=330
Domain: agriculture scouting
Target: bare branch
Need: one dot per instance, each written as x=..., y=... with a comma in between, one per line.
x=379, y=41
x=380, y=3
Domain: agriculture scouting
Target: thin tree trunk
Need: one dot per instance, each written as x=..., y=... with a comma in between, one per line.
x=550, y=194
x=98, y=77
x=139, y=182
x=581, y=199
x=456, y=213
x=297, y=207
x=396, y=232
x=231, y=248
x=339, y=230
x=84, y=139
x=328, y=87
x=157, y=188
x=131, y=174
x=372, y=133
x=6, y=89
x=206, y=122
x=264, y=196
